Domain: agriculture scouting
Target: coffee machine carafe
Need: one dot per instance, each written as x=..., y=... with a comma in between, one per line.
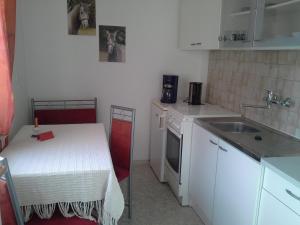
x=169, y=89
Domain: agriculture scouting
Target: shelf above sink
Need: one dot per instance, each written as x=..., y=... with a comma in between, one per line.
x=267, y=7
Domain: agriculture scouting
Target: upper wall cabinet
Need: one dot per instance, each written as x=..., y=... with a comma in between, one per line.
x=277, y=24
x=199, y=24
x=238, y=23
x=235, y=24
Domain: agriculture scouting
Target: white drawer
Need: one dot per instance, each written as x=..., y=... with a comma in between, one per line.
x=283, y=190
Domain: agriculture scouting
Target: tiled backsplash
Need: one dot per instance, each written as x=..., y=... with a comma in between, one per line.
x=236, y=77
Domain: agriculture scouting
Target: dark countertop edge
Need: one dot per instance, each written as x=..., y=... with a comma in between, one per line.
x=243, y=149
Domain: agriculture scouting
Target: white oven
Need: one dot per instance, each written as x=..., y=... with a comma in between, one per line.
x=177, y=161
x=173, y=157
x=174, y=150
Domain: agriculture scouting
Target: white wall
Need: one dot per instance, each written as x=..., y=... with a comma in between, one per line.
x=62, y=66
x=19, y=78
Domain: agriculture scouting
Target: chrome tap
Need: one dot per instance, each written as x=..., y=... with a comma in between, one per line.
x=270, y=99
x=287, y=102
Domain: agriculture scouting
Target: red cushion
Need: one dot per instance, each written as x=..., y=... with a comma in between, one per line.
x=7, y=212
x=45, y=136
x=66, y=116
x=58, y=219
x=121, y=173
x=120, y=143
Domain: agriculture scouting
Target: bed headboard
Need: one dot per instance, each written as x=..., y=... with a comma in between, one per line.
x=64, y=111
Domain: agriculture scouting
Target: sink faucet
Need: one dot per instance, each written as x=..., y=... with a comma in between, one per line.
x=270, y=99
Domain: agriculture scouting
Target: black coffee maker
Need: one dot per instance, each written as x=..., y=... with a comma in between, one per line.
x=169, y=89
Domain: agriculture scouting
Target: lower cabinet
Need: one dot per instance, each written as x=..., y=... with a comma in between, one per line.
x=280, y=200
x=224, y=182
x=273, y=212
x=237, y=187
x=203, y=172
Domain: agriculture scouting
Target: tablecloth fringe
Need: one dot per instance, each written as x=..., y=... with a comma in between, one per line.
x=80, y=209
x=105, y=218
x=44, y=211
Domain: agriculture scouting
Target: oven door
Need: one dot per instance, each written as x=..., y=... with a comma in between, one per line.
x=174, y=150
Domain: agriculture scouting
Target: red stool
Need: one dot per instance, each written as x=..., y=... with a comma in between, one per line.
x=122, y=121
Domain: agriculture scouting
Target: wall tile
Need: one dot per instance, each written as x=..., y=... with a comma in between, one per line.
x=296, y=90
x=287, y=57
x=237, y=77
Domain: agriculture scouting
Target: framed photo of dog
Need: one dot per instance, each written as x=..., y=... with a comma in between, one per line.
x=81, y=17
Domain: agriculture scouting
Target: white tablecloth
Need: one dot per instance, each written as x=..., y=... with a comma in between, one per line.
x=73, y=168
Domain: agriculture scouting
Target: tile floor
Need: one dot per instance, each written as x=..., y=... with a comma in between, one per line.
x=154, y=203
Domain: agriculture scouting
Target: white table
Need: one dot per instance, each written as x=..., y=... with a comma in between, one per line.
x=72, y=171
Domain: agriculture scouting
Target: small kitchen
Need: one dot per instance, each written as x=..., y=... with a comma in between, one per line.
x=194, y=105
x=231, y=150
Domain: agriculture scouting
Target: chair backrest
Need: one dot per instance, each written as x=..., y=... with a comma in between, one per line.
x=64, y=111
x=10, y=209
x=122, y=123
x=3, y=142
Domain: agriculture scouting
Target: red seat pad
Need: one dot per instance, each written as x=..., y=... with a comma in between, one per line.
x=58, y=219
x=121, y=173
x=7, y=212
x=66, y=116
x=120, y=144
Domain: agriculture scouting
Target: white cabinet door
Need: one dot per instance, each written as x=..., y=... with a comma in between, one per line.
x=237, y=185
x=199, y=24
x=203, y=172
x=157, y=141
x=238, y=23
x=273, y=212
x=277, y=28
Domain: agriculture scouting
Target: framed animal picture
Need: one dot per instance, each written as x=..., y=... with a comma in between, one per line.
x=112, y=43
x=81, y=17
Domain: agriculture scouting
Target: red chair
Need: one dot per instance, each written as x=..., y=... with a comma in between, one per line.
x=10, y=209
x=3, y=142
x=64, y=111
x=122, y=122
x=58, y=219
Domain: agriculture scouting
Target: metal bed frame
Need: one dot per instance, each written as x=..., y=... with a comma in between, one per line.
x=63, y=104
x=5, y=175
x=120, y=113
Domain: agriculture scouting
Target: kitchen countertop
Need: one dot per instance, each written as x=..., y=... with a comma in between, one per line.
x=282, y=155
x=273, y=143
x=287, y=167
x=196, y=111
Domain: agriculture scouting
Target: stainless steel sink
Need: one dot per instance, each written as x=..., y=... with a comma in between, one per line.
x=234, y=127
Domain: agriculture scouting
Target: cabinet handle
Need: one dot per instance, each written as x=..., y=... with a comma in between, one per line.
x=161, y=122
x=180, y=160
x=292, y=194
x=214, y=143
x=223, y=149
x=193, y=44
